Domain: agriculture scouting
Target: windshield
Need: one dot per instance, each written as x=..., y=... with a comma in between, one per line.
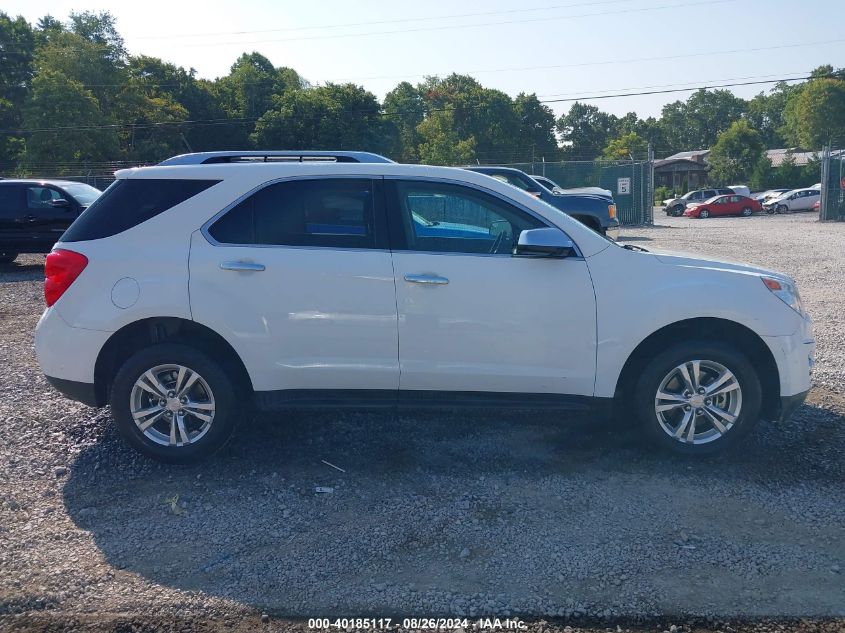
x=82, y=193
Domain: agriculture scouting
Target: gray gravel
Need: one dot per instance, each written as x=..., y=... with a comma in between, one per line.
x=437, y=513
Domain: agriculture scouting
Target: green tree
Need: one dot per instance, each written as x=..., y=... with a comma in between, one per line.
x=697, y=122
x=334, y=116
x=439, y=142
x=405, y=109
x=536, y=134
x=762, y=176
x=585, y=131
x=815, y=115
x=59, y=102
x=487, y=116
x=735, y=154
x=625, y=147
x=17, y=48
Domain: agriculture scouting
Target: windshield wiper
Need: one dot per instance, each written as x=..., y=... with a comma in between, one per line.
x=631, y=247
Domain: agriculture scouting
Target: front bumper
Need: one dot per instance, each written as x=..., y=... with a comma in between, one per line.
x=789, y=404
x=612, y=232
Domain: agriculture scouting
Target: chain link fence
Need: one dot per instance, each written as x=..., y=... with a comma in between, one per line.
x=99, y=175
x=630, y=182
x=833, y=185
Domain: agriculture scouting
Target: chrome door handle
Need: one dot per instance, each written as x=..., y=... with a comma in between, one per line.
x=242, y=266
x=427, y=279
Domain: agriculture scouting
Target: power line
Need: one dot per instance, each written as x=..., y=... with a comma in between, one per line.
x=242, y=121
x=445, y=27
x=377, y=22
x=515, y=69
x=454, y=26
x=607, y=62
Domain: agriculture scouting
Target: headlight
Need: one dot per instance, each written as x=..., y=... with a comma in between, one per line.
x=786, y=291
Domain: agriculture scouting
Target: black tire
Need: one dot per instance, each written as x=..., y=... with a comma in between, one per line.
x=782, y=208
x=704, y=214
x=663, y=364
x=678, y=210
x=6, y=257
x=222, y=391
x=746, y=212
x=770, y=210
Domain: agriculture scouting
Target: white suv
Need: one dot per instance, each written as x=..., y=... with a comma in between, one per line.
x=193, y=290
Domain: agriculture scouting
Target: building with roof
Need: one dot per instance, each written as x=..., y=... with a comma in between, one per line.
x=682, y=171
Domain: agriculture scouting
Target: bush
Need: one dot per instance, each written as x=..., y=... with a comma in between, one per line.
x=660, y=194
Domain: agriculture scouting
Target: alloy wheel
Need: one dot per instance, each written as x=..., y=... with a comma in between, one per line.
x=172, y=405
x=698, y=402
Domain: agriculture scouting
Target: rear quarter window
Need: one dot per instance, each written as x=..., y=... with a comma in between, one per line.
x=128, y=203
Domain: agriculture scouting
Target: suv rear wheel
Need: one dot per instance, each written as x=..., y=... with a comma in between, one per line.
x=698, y=398
x=678, y=210
x=173, y=403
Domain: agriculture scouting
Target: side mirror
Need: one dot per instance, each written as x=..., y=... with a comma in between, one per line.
x=546, y=242
x=60, y=203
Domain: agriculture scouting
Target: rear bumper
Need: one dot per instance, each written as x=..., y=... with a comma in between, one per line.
x=83, y=392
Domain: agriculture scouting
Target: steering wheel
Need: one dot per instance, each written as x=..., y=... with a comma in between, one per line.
x=497, y=243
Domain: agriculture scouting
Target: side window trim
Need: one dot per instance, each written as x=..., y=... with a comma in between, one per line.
x=396, y=229
x=379, y=213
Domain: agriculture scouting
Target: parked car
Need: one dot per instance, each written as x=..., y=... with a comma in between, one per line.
x=191, y=291
x=795, y=200
x=740, y=190
x=552, y=186
x=34, y=213
x=676, y=206
x=596, y=211
x=724, y=205
x=548, y=183
x=763, y=196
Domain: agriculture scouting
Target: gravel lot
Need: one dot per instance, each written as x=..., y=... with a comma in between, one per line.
x=436, y=513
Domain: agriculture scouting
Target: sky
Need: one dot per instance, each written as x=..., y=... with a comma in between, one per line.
x=558, y=49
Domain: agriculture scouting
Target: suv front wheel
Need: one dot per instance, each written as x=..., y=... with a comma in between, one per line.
x=173, y=403
x=698, y=398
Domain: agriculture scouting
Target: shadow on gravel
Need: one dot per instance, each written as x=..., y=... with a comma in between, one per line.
x=21, y=272
x=429, y=508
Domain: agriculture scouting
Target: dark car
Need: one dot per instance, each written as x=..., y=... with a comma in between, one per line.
x=34, y=213
x=595, y=210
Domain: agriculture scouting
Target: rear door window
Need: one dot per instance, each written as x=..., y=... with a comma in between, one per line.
x=330, y=212
x=128, y=203
x=10, y=200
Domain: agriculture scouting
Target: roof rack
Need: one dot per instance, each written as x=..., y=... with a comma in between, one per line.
x=284, y=156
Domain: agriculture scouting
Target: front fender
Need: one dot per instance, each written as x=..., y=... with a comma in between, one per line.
x=636, y=295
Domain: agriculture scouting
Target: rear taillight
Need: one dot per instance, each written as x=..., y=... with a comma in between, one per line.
x=60, y=270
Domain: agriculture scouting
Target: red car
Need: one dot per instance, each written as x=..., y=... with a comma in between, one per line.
x=724, y=205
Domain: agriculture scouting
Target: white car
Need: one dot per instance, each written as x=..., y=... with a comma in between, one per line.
x=795, y=200
x=194, y=290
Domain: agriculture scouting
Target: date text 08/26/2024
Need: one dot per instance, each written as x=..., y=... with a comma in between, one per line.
x=443, y=624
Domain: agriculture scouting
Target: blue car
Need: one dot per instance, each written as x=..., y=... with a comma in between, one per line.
x=595, y=210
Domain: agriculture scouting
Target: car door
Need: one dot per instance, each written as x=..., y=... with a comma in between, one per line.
x=733, y=205
x=809, y=199
x=12, y=208
x=43, y=221
x=298, y=277
x=474, y=318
